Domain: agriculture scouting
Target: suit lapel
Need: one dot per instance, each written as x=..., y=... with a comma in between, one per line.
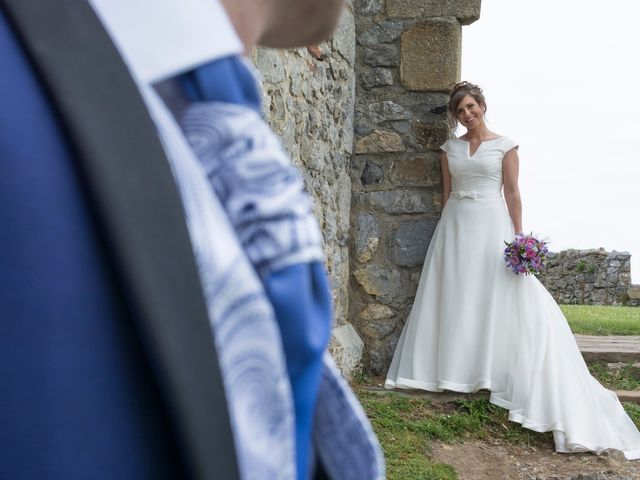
x=140, y=212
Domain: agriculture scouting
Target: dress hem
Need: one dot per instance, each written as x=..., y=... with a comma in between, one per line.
x=440, y=386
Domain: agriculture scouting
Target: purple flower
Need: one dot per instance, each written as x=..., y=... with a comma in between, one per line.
x=525, y=254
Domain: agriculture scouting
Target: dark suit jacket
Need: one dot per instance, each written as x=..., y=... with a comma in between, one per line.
x=107, y=363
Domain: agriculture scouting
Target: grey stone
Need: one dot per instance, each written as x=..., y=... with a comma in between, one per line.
x=372, y=174
x=376, y=77
x=382, y=56
x=363, y=130
x=401, y=127
x=375, y=311
x=634, y=292
x=398, y=201
x=346, y=348
x=465, y=11
x=369, y=7
x=378, y=357
x=387, y=110
x=343, y=37
x=379, y=280
x=377, y=329
x=385, y=32
x=269, y=62
x=367, y=236
x=411, y=241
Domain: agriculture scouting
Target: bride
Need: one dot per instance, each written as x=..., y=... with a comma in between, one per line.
x=476, y=325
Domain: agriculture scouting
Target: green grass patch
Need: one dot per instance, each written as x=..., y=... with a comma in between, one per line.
x=625, y=378
x=602, y=320
x=406, y=428
x=633, y=410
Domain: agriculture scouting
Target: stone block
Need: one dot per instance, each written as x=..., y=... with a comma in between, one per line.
x=367, y=236
x=269, y=62
x=385, y=32
x=344, y=35
x=380, y=141
x=376, y=77
x=377, y=329
x=398, y=201
x=372, y=174
x=634, y=292
x=387, y=110
x=382, y=56
x=430, y=135
x=465, y=11
x=379, y=280
x=411, y=241
x=375, y=311
x=369, y=7
x=423, y=171
x=346, y=347
x=430, y=56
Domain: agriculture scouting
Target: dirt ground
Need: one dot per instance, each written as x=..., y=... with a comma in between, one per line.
x=484, y=460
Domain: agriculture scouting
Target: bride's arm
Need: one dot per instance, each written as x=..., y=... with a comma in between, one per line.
x=510, y=167
x=446, y=178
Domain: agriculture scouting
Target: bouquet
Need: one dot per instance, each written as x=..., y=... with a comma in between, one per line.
x=526, y=254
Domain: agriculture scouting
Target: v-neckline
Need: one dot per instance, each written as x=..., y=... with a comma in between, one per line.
x=471, y=155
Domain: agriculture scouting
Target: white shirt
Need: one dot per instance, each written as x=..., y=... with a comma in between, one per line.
x=162, y=38
x=158, y=42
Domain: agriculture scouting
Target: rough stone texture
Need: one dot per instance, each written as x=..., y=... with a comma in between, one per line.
x=346, y=347
x=384, y=32
x=397, y=201
x=410, y=242
x=308, y=99
x=465, y=11
x=440, y=69
x=407, y=59
x=372, y=174
x=376, y=311
x=423, y=171
x=376, y=77
x=380, y=142
x=367, y=236
x=382, y=56
x=634, y=292
x=387, y=110
x=378, y=87
x=369, y=7
x=590, y=277
x=378, y=280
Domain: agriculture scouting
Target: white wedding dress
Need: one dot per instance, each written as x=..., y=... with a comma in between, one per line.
x=476, y=325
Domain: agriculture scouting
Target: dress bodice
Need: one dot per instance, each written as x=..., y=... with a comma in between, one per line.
x=480, y=172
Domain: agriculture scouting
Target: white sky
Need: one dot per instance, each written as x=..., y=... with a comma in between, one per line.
x=562, y=78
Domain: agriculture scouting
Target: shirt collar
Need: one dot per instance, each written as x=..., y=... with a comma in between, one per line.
x=164, y=38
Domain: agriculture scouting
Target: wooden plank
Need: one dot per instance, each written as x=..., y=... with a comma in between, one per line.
x=609, y=349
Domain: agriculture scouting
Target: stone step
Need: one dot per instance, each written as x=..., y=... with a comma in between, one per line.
x=609, y=349
x=446, y=397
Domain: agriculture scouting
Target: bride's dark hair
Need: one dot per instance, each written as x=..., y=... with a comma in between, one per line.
x=457, y=94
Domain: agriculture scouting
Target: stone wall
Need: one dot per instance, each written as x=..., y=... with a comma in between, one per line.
x=308, y=99
x=591, y=277
x=388, y=84
x=407, y=60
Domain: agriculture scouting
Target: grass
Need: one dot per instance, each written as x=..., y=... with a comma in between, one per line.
x=602, y=320
x=406, y=428
x=625, y=378
x=633, y=409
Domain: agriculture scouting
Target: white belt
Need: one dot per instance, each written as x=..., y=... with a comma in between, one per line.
x=474, y=194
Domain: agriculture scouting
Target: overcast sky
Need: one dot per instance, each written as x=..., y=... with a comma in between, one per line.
x=563, y=79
